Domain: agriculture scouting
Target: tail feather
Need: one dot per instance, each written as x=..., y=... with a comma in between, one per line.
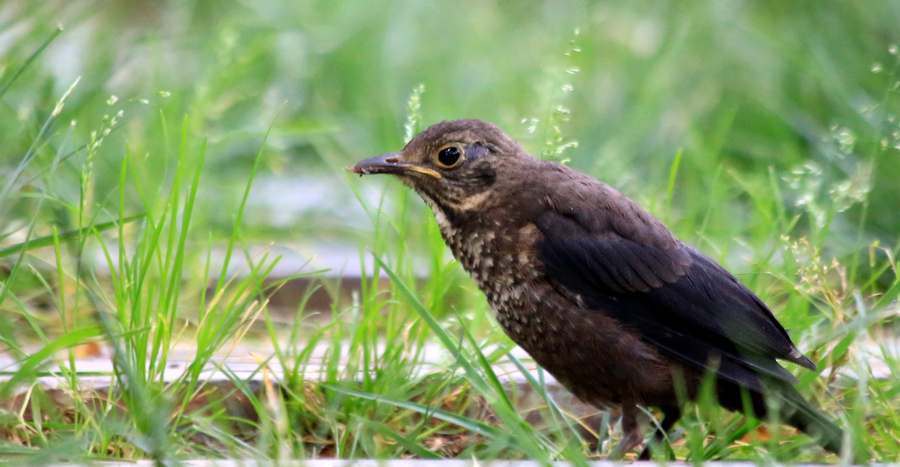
x=793, y=410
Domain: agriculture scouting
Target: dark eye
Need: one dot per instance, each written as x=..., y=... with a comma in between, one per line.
x=449, y=157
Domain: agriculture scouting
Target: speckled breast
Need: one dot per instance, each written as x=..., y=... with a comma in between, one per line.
x=502, y=263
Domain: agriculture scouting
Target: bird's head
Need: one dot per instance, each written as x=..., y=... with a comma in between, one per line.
x=452, y=165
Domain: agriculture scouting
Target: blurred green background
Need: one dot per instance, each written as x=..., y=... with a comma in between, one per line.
x=796, y=97
x=764, y=132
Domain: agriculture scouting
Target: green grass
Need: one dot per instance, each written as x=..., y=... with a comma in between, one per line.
x=132, y=141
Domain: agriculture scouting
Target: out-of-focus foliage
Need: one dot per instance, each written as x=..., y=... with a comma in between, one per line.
x=739, y=85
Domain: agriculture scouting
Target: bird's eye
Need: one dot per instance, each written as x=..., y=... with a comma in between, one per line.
x=449, y=157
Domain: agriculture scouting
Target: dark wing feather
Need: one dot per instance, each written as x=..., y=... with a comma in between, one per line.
x=674, y=296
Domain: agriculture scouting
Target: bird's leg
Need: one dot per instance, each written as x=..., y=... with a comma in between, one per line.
x=670, y=415
x=631, y=432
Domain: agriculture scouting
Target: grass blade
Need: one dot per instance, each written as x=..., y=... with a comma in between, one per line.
x=30, y=59
x=49, y=240
x=458, y=420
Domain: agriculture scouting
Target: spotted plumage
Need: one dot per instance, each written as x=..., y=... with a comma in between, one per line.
x=594, y=288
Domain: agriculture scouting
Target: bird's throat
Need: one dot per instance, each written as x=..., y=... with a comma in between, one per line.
x=443, y=214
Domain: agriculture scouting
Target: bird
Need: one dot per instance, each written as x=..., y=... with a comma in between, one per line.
x=599, y=292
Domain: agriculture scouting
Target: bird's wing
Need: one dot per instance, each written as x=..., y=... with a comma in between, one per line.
x=618, y=260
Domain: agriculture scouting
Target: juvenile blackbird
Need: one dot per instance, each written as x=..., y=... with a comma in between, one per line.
x=599, y=292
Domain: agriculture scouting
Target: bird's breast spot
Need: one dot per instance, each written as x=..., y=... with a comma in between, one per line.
x=579, y=300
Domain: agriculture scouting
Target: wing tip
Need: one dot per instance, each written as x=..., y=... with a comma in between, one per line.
x=802, y=360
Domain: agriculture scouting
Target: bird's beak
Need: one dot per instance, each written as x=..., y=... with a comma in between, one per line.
x=389, y=164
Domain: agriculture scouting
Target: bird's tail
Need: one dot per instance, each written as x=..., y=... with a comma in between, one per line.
x=795, y=411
